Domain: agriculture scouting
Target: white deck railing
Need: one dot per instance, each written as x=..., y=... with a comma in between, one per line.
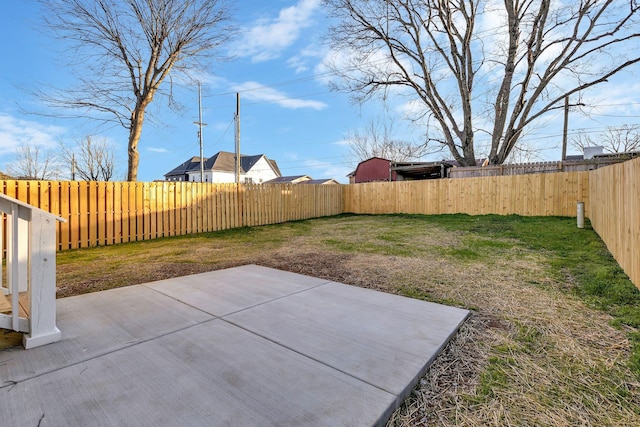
x=30, y=247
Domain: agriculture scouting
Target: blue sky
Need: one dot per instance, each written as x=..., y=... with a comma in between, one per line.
x=287, y=110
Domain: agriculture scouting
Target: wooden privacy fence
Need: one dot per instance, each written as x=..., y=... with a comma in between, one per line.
x=106, y=213
x=614, y=192
x=109, y=213
x=530, y=195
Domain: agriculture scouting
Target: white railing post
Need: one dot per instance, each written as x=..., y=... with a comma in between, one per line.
x=31, y=270
x=22, y=256
x=42, y=272
x=13, y=265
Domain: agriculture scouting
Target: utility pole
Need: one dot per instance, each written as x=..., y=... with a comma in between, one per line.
x=200, y=124
x=565, y=132
x=237, y=166
x=566, y=128
x=73, y=166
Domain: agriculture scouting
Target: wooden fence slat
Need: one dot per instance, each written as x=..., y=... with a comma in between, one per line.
x=109, y=215
x=120, y=221
x=92, y=218
x=74, y=214
x=153, y=203
x=101, y=222
x=171, y=198
x=133, y=211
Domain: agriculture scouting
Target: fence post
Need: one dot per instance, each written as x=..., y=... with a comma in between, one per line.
x=580, y=214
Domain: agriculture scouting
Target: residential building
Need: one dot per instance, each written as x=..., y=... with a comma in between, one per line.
x=220, y=168
x=372, y=170
x=378, y=169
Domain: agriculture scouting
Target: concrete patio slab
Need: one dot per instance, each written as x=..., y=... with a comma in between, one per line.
x=234, y=289
x=101, y=323
x=382, y=339
x=212, y=374
x=274, y=349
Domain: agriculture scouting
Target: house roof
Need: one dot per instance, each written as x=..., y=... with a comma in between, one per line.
x=291, y=179
x=320, y=181
x=574, y=157
x=222, y=161
x=189, y=165
x=275, y=167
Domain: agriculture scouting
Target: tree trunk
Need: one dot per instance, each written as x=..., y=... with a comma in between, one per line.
x=135, y=131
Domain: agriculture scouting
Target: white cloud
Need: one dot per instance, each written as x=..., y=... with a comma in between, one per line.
x=343, y=143
x=190, y=78
x=617, y=97
x=269, y=37
x=209, y=79
x=157, y=150
x=15, y=132
x=300, y=61
x=256, y=92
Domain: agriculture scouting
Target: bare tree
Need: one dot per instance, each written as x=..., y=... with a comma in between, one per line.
x=376, y=140
x=523, y=154
x=89, y=160
x=126, y=49
x=614, y=140
x=525, y=57
x=30, y=162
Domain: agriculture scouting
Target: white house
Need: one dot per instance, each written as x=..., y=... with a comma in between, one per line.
x=220, y=169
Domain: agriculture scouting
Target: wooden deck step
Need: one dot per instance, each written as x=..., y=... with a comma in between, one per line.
x=9, y=339
x=5, y=304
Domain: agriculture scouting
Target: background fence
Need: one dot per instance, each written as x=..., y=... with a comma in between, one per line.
x=106, y=213
x=530, y=195
x=539, y=167
x=614, y=192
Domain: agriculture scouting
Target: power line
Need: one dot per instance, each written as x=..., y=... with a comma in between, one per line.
x=231, y=122
x=269, y=101
x=277, y=84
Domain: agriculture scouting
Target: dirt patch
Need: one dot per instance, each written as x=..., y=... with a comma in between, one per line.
x=135, y=274
x=324, y=265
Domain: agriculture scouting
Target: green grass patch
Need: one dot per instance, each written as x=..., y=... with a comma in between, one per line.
x=576, y=256
x=493, y=378
x=464, y=254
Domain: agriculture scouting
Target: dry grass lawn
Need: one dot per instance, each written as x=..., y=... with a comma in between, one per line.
x=534, y=352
